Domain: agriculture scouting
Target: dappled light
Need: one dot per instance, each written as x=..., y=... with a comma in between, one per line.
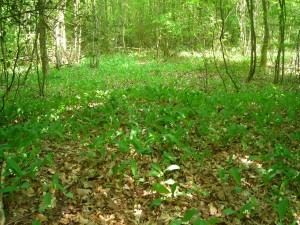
x=149, y=112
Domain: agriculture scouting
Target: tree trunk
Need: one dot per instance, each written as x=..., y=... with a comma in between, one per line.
x=58, y=43
x=3, y=80
x=95, y=51
x=221, y=37
x=250, y=7
x=43, y=45
x=266, y=37
x=297, y=62
x=279, y=62
x=243, y=26
x=77, y=33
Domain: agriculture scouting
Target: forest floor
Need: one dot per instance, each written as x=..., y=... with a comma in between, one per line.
x=143, y=142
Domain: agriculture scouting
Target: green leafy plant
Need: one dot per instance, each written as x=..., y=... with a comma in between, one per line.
x=192, y=217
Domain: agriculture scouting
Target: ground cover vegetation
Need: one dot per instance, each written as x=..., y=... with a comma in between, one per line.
x=149, y=112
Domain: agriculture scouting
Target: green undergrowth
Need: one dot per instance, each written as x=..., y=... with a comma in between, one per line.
x=158, y=109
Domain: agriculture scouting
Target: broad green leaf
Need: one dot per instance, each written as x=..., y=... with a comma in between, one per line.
x=56, y=182
x=172, y=138
x=133, y=133
x=25, y=185
x=234, y=172
x=199, y=221
x=284, y=184
x=122, y=167
x=160, y=188
x=176, y=222
x=169, y=156
x=36, y=222
x=254, y=157
x=156, y=167
x=134, y=168
x=157, y=201
x=123, y=146
x=205, y=193
x=70, y=195
x=8, y=189
x=136, y=143
x=12, y=164
x=91, y=154
x=140, y=181
x=154, y=173
x=173, y=167
x=238, y=189
x=144, y=150
x=47, y=198
x=102, y=151
x=227, y=212
x=222, y=174
x=173, y=188
x=245, y=209
x=282, y=208
x=46, y=202
x=189, y=214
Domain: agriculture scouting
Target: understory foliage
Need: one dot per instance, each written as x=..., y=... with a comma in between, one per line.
x=163, y=137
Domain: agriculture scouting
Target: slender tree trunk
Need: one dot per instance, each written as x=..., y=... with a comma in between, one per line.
x=3, y=52
x=221, y=37
x=279, y=62
x=34, y=49
x=123, y=22
x=9, y=80
x=77, y=32
x=58, y=42
x=43, y=45
x=105, y=27
x=250, y=7
x=215, y=60
x=297, y=66
x=266, y=37
x=243, y=25
x=4, y=79
x=96, y=37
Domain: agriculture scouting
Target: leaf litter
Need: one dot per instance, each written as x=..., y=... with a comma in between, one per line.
x=101, y=198
x=199, y=163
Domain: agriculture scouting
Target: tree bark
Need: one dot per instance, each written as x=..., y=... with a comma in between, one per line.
x=43, y=45
x=279, y=62
x=77, y=32
x=95, y=51
x=221, y=37
x=266, y=37
x=242, y=8
x=250, y=7
x=297, y=62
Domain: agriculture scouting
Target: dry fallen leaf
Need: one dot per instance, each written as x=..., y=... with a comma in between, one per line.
x=41, y=217
x=83, y=220
x=112, y=205
x=81, y=191
x=212, y=209
x=221, y=195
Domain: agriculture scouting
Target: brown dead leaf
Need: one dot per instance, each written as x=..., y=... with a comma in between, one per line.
x=29, y=192
x=112, y=205
x=83, y=220
x=212, y=209
x=81, y=191
x=41, y=217
x=221, y=195
x=22, y=210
